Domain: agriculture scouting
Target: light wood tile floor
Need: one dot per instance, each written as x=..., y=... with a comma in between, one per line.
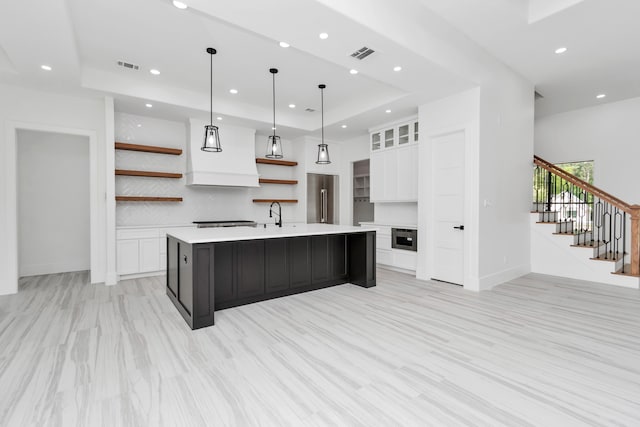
x=538, y=351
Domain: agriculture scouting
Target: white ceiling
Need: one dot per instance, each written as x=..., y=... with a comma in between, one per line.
x=83, y=39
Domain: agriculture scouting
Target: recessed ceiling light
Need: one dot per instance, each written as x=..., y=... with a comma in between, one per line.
x=139, y=125
x=344, y=126
x=323, y=36
x=45, y=67
x=602, y=95
x=352, y=71
x=292, y=105
x=179, y=4
x=154, y=72
x=273, y=128
x=561, y=50
x=218, y=118
x=233, y=91
x=148, y=105
x=284, y=44
x=387, y=111
x=397, y=68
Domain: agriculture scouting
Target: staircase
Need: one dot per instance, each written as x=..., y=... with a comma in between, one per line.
x=582, y=232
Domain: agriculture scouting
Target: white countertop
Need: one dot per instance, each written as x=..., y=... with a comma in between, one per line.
x=228, y=234
x=394, y=225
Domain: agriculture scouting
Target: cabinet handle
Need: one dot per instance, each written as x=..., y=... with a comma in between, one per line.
x=185, y=259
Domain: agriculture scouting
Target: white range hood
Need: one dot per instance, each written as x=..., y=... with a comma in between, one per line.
x=234, y=166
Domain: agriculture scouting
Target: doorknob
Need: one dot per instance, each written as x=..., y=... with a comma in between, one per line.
x=460, y=227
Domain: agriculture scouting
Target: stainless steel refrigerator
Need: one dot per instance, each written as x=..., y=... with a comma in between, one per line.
x=322, y=198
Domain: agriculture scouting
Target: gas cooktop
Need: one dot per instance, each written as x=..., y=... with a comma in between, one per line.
x=232, y=223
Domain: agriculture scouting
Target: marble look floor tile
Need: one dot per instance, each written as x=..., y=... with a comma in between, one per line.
x=536, y=351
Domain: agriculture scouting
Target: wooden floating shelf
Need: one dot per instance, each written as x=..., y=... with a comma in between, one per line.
x=275, y=200
x=276, y=162
x=147, y=199
x=151, y=174
x=147, y=148
x=278, y=181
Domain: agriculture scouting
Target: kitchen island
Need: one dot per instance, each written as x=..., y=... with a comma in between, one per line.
x=211, y=269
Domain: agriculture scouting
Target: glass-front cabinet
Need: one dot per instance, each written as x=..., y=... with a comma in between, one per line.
x=375, y=141
x=388, y=138
x=403, y=133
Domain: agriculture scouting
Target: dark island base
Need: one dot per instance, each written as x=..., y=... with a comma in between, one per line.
x=205, y=277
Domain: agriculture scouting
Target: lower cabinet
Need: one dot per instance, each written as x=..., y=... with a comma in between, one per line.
x=299, y=262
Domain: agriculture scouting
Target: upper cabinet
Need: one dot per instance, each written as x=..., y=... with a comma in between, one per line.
x=395, y=136
x=394, y=163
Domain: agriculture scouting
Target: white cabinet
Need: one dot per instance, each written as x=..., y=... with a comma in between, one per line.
x=142, y=250
x=388, y=257
x=149, y=255
x=394, y=175
x=127, y=256
x=395, y=135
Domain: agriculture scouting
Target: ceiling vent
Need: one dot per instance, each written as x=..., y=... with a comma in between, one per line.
x=538, y=95
x=362, y=53
x=309, y=110
x=128, y=65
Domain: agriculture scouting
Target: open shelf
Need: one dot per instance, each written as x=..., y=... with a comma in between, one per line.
x=147, y=199
x=278, y=181
x=275, y=200
x=276, y=162
x=151, y=174
x=147, y=148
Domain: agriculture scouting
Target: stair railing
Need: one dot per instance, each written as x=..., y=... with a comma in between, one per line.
x=593, y=216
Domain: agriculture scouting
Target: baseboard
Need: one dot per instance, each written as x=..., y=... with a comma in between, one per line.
x=398, y=269
x=487, y=282
x=140, y=275
x=41, y=269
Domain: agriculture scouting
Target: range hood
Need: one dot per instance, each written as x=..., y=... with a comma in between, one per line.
x=234, y=166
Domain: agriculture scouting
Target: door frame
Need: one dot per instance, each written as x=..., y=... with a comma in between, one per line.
x=11, y=224
x=471, y=211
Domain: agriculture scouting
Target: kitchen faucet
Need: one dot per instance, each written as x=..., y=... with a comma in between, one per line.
x=279, y=221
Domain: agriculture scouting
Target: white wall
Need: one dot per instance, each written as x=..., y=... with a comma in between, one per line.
x=608, y=134
x=504, y=180
x=53, y=203
x=22, y=108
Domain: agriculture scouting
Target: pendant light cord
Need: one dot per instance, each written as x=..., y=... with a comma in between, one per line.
x=211, y=89
x=322, y=111
x=274, y=105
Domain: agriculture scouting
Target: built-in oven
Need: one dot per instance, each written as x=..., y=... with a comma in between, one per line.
x=404, y=238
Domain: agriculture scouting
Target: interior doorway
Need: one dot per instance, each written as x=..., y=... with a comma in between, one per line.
x=362, y=207
x=53, y=202
x=449, y=191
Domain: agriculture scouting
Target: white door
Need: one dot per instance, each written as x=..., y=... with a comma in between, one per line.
x=448, y=182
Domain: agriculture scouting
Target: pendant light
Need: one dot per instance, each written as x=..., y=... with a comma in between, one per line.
x=211, y=141
x=323, y=149
x=274, y=147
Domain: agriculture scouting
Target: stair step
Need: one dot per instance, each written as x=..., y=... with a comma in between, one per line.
x=609, y=256
x=627, y=271
x=591, y=244
x=565, y=227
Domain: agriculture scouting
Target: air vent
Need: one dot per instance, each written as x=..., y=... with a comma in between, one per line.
x=128, y=65
x=362, y=53
x=538, y=95
x=309, y=110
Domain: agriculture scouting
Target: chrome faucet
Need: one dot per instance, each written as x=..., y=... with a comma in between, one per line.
x=279, y=221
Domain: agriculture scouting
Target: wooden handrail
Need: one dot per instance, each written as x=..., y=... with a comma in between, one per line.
x=583, y=184
x=632, y=210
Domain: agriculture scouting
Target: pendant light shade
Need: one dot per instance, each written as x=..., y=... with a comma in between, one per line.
x=323, y=149
x=274, y=146
x=211, y=141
